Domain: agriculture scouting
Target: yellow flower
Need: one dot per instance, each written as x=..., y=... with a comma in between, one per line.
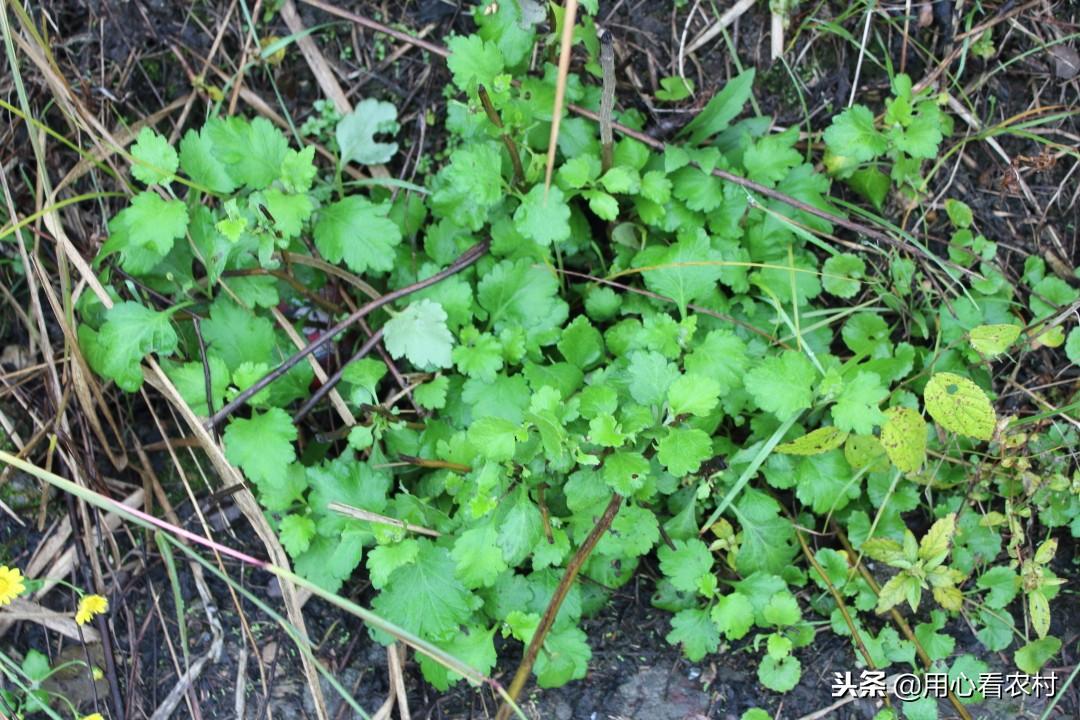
x=11, y=584
x=89, y=606
x=93, y=716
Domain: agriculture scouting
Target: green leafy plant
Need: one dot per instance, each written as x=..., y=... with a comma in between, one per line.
x=910, y=131
x=649, y=332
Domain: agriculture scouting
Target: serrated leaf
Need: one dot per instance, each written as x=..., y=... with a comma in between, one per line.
x=697, y=634
x=782, y=610
x=685, y=563
x=494, y=438
x=782, y=384
x=329, y=561
x=721, y=356
x=852, y=134
x=385, y=559
x=824, y=482
x=650, y=375
x=814, y=443
x=190, y=381
x=155, y=159
x=781, y=674
x=693, y=395
x=734, y=615
x=1003, y=584
x=581, y=343
x=935, y=543
x=432, y=394
x=358, y=231
x=625, y=472
x=144, y=232
x=199, y=161
x=289, y=211
x=772, y=157
x=686, y=271
x=621, y=180
x=899, y=588
x=543, y=215
x=130, y=332
x=767, y=538
x=419, y=333
x=473, y=60
x=478, y=556
x=959, y=405
x=355, y=133
x=519, y=294
x=564, y=657
x=682, y=450
x=856, y=408
x=296, y=532
x=471, y=645
x=469, y=186
x=904, y=438
x=603, y=205
x=424, y=596
x=236, y=334
x=252, y=153
x=262, y=445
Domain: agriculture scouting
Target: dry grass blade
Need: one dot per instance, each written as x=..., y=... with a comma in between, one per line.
x=566, y=42
x=59, y=622
x=367, y=515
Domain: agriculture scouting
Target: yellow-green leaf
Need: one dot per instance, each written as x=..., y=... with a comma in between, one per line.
x=1046, y=551
x=949, y=597
x=899, y=588
x=865, y=451
x=904, y=438
x=960, y=406
x=814, y=443
x=935, y=543
x=1040, y=613
x=992, y=340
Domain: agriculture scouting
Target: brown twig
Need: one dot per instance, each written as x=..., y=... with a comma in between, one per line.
x=836, y=597
x=567, y=581
x=896, y=616
x=511, y=146
x=334, y=379
x=464, y=260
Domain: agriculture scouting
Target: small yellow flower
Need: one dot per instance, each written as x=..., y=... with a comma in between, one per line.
x=93, y=716
x=89, y=606
x=11, y=584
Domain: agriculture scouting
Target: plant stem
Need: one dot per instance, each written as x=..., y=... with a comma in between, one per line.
x=511, y=146
x=334, y=379
x=607, y=100
x=466, y=259
x=897, y=617
x=572, y=569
